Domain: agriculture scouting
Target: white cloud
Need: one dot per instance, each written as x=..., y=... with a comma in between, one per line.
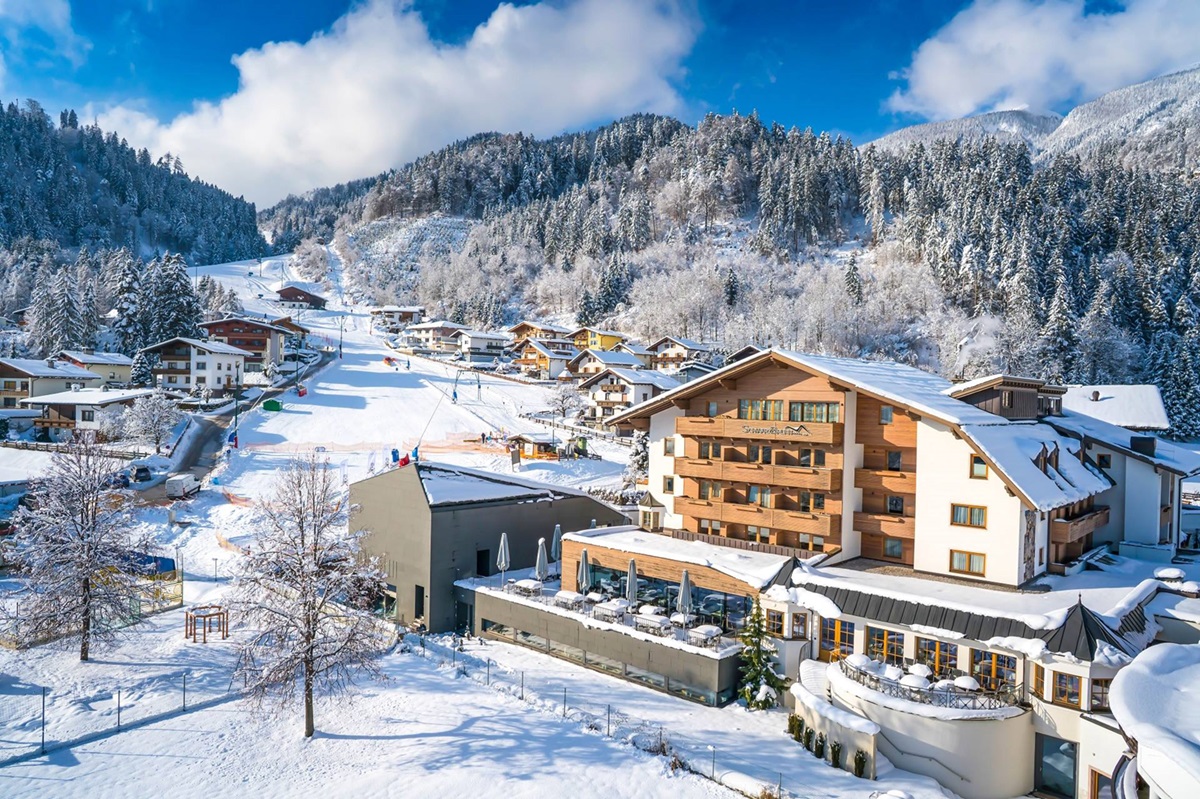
x=52, y=18
x=376, y=91
x=1038, y=54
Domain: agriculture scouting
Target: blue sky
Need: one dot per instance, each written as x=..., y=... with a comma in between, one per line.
x=265, y=97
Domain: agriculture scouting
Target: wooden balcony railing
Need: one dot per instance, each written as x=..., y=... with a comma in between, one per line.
x=726, y=427
x=826, y=525
x=883, y=480
x=891, y=525
x=799, y=477
x=1067, y=531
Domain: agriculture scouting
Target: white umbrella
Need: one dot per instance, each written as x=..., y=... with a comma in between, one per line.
x=913, y=681
x=556, y=543
x=892, y=673
x=585, y=573
x=541, y=569
x=631, y=583
x=860, y=661
x=683, y=602
x=502, y=559
x=966, y=683
x=920, y=669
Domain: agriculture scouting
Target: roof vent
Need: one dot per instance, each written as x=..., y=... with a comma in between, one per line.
x=1095, y=396
x=51, y=363
x=76, y=386
x=1143, y=445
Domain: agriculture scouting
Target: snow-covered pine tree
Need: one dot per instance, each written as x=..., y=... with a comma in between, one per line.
x=76, y=552
x=760, y=684
x=141, y=374
x=306, y=593
x=1060, y=335
x=175, y=310
x=128, y=327
x=854, y=285
x=639, y=455
x=151, y=419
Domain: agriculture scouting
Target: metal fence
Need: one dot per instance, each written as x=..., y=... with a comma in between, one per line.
x=952, y=698
x=682, y=751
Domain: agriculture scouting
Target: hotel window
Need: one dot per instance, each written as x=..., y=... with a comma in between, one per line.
x=710, y=409
x=1039, y=681
x=895, y=505
x=761, y=410
x=893, y=548
x=837, y=638
x=814, y=412
x=760, y=534
x=978, y=468
x=812, y=457
x=1100, y=694
x=710, y=450
x=1104, y=461
x=1066, y=689
x=895, y=461
x=87, y=416
x=799, y=625
x=757, y=454
x=669, y=484
x=710, y=526
x=710, y=489
x=818, y=502
x=775, y=623
x=968, y=516
x=669, y=445
x=204, y=365
x=967, y=563
x=992, y=670
x=1006, y=399
x=885, y=414
x=937, y=655
x=885, y=645
x=759, y=495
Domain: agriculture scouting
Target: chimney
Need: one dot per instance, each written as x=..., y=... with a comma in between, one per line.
x=1095, y=396
x=51, y=363
x=1143, y=445
x=89, y=350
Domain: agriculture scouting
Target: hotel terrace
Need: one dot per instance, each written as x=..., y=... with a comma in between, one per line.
x=952, y=573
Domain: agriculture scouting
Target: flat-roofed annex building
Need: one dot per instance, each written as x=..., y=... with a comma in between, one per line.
x=987, y=480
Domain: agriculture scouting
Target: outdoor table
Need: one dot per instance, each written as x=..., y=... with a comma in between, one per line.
x=568, y=599
x=594, y=597
x=529, y=587
x=609, y=611
x=650, y=610
x=652, y=623
x=704, y=635
x=682, y=620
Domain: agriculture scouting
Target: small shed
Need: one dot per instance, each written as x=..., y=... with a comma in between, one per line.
x=535, y=445
x=272, y=405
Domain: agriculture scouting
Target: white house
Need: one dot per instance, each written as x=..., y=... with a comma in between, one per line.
x=480, y=345
x=189, y=364
x=590, y=362
x=1138, y=407
x=672, y=351
x=437, y=336
x=394, y=318
x=113, y=367
x=29, y=377
x=614, y=390
x=78, y=410
x=639, y=351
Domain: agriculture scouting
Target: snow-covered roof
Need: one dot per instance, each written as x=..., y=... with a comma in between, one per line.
x=540, y=326
x=89, y=396
x=105, y=358
x=1136, y=406
x=1167, y=455
x=308, y=288
x=440, y=324
x=608, y=358
x=597, y=331
x=455, y=485
x=633, y=347
x=36, y=368
x=686, y=343
x=247, y=320
x=634, y=377
x=1154, y=701
x=484, y=335
x=967, y=387
x=215, y=347
x=539, y=346
x=397, y=309
x=1014, y=447
x=755, y=569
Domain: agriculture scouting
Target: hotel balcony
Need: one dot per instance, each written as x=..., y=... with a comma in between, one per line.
x=801, y=477
x=725, y=427
x=888, y=524
x=819, y=524
x=886, y=481
x=1070, y=530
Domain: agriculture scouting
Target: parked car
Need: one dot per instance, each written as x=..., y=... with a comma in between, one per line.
x=115, y=480
x=182, y=485
x=140, y=474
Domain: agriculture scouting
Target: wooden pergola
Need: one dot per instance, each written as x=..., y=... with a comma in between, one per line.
x=210, y=617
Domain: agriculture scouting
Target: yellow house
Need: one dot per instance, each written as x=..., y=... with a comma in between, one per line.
x=591, y=338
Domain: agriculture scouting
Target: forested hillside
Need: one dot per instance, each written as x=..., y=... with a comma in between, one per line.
x=77, y=185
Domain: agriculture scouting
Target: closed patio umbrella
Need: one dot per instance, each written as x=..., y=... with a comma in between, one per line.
x=585, y=573
x=683, y=602
x=541, y=569
x=631, y=583
x=502, y=557
x=556, y=543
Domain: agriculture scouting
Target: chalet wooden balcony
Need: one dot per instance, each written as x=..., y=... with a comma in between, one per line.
x=799, y=477
x=1067, y=531
x=827, y=525
x=725, y=427
x=886, y=481
x=58, y=423
x=171, y=370
x=888, y=524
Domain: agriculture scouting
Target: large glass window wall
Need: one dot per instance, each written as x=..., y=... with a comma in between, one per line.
x=727, y=611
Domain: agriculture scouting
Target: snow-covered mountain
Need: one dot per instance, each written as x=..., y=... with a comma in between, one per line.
x=1155, y=124
x=1007, y=126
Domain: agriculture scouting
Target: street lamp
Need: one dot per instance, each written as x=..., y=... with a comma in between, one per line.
x=341, y=326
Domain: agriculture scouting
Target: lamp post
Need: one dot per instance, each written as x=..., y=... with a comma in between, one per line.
x=237, y=393
x=341, y=326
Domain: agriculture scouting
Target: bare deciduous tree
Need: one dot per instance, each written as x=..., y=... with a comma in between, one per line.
x=151, y=419
x=81, y=561
x=306, y=593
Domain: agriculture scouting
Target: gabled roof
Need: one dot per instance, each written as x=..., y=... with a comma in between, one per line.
x=106, y=358
x=440, y=324
x=744, y=352
x=549, y=328
x=540, y=348
x=608, y=358
x=1136, y=406
x=255, y=322
x=1171, y=457
x=597, y=331
x=36, y=368
x=480, y=334
x=299, y=285
x=215, y=347
x=686, y=343
x=634, y=377
x=89, y=396
x=969, y=387
x=632, y=347
x=397, y=309
x=288, y=324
